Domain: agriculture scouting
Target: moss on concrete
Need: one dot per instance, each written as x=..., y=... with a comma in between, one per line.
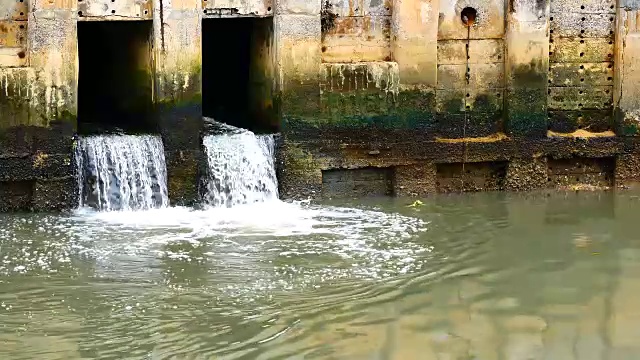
x=299, y=173
x=626, y=125
x=184, y=169
x=526, y=112
x=410, y=109
x=178, y=110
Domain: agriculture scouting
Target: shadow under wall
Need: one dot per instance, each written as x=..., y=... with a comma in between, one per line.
x=115, y=80
x=237, y=73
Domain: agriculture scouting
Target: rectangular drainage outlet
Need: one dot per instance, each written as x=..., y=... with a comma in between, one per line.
x=479, y=176
x=357, y=182
x=576, y=173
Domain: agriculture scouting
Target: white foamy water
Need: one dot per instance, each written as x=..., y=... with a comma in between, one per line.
x=246, y=235
x=241, y=168
x=122, y=172
x=370, y=243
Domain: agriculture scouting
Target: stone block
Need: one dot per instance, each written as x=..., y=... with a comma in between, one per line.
x=414, y=34
x=415, y=180
x=582, y=25
x=53, y=57
x=13, y=57
x=484, y=51
x=299, y=171
x=570, y=121
x=587, y=7
x=577, y=50
x=472, y=125
x=233, y=8
x=16, y=195
x=306, y=7
x=115, y=10
x=627, y=169
x=579, y=98
x=350, y=183
x=357, y=39
x=472, y=176
x=481, y=76
x=14, y=10
x=53, y=4
x=577, y=74
x=13, y=33
x=58, y=194
x=489, y=22
x=526, y=112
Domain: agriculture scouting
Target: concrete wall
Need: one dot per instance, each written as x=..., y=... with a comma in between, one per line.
x=401, y=86
x=539, y=88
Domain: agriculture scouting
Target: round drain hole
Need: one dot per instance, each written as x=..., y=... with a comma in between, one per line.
x=468, y=16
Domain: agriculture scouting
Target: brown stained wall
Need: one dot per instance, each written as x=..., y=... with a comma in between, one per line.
x=13, y=33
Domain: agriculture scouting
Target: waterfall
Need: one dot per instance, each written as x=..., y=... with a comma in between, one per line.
x=122, y=172
x=241, y=167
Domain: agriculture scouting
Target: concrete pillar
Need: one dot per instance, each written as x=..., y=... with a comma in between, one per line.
x=414, y=43
x=527, y=63
x=626, y=94
x=178, y=56
x=297, y=34
x=298, y=57
x=52, y=36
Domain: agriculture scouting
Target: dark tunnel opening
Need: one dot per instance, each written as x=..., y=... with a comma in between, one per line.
x=115, y=80
x=237, y=73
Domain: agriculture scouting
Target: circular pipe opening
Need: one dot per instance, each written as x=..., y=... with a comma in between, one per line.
x=468, y=16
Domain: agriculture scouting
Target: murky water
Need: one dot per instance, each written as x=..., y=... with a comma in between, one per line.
x=485, y=276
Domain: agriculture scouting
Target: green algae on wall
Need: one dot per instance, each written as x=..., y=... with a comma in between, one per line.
x=358, y=96
x=527, y=100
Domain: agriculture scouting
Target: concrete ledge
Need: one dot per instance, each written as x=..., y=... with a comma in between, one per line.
x=412, y=155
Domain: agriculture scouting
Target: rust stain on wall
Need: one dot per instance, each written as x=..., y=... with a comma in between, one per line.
x=356, y=31
x=13, y=33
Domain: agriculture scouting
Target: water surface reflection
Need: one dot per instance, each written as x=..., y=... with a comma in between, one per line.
x=483, y=276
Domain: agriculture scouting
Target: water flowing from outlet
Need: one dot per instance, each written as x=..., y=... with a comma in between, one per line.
x=241, y=167
x=122, y=172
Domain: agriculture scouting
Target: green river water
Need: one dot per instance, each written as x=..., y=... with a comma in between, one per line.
x=475, y=276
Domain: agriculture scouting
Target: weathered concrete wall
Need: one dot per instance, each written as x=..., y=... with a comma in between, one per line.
x=38, y=104
x=101, y=10
x=530, y=95
x=581, y=66
x=535, y=88
x=178, y=53
x=237, y=8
